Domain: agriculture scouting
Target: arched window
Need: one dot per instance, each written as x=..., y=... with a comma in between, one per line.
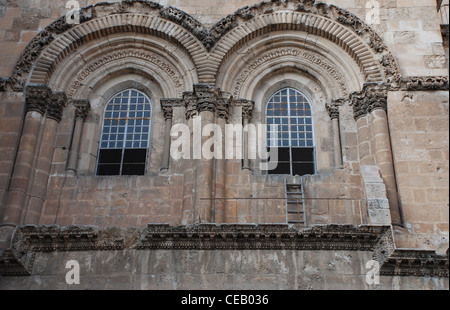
x=125, y=137
x=290, y=130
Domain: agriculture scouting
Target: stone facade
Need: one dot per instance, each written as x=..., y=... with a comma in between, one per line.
x=379, y=101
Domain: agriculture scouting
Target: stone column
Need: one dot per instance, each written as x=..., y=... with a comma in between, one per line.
x=36, y=105
x=45, y=158
x=222, y=116
x=82, y=108
x=383, y=151
x=204, y=168
x=247, y=114
x=190, y=103
x=167, y=108
x=333, y=111
x=370, y=109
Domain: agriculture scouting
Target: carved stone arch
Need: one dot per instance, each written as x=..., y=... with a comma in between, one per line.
x=60, y=40
x=336, y=72
x=347, y=32
x=173, y=71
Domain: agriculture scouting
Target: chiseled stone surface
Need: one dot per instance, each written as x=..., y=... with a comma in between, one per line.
x=213, y=270
x=394, y=73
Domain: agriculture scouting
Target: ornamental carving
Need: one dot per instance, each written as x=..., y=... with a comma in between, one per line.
x=372, y=97
x=283, y=52
x=206, y=98
x=167, y=106
x=424, y=83
x=155, y=59
x=82, y=108
x=55, y=108
x=37, y=98
x=248, y=107
x=18, y=259
x=333, y=109
x=39, y=42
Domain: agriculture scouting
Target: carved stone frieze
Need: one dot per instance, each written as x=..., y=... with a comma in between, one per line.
x=155, y=59
x=416, y=263
x=424, y=83
x=18, y=259
x=260, y=237
x=37, y=98
x=247, y=71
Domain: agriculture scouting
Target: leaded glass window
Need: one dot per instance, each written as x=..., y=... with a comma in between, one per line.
x=125, y=137
x=290, y=131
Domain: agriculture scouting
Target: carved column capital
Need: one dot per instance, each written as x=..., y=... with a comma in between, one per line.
x=207, y=98
x=223, y=106
x=190, y=103
x=56, y=106
x=82, y=108
x=333, y=108
x=37, y=98
x=248, y=107
x=167, y=106
x=372, y=97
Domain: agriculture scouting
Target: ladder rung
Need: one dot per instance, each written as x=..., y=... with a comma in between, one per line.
x=295, y=193
x=295, y=212
x=295, y=202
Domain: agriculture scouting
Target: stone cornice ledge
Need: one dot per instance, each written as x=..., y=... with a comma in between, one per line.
x=28, y=240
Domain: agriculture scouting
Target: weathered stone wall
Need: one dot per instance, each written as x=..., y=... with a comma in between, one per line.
x=11, y=118
x=213, y=270
x=420, y=140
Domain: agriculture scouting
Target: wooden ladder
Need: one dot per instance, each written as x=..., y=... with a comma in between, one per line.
x=295, y=204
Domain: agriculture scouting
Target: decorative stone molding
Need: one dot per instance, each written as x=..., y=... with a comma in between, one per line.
x=315, y=15
x=82, y=108
x=56, y=106
x=19, y=258
x=247, y=71
x=416, y=263
x=39, y=42
x=28, y=240
x=424, y=83
x=152, y=58
x=372, y=97
x=261, y=237
x=37, y=98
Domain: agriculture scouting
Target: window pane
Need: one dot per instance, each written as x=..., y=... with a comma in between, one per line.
x=108, y=170
x=135, y=156
x=303, y=154
x=110, y=156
